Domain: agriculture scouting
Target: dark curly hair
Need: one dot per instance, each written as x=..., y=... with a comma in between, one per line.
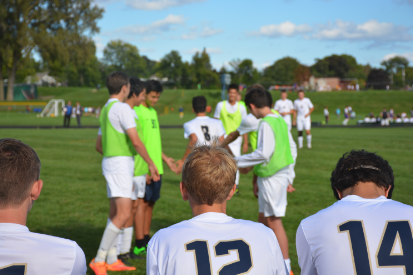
x=361, y=166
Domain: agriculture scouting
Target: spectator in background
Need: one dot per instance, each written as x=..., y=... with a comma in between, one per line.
x=346, y=116
x=391, y=115
x=181, y=112
x=411, y=113
x=326, y=114
x=403, y=115
x=68, y=112
x=384, y=117
x=27, y=109
x=338, y=111
x=399, y=119
x=97, y=112
x=367, y=119
x=406, y=120
x=78, y=113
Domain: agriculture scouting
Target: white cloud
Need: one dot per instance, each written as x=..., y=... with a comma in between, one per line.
x=371, y=30
x=99, y=44
x=163, y=25
x=208, y=50
x=158, y=4
x=205, y=32
x=284, y=29
x=409, y=56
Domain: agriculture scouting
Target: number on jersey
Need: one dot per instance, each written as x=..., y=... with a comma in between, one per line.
x=395, y=232
x=14, y=269
x=205, y=130
x=200, y=249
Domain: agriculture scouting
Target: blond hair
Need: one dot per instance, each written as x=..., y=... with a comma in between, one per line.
x=209, y=174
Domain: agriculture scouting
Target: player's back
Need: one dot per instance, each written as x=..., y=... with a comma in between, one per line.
x=214, y=243
x=205, y=129
x=23, y=252
x=357, y=236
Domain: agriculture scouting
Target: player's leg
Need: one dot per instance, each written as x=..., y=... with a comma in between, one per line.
x=307, y=127
x=140, y=246
x=151, y=197
x=309, y=138
x=300, y=128
x=275, y=223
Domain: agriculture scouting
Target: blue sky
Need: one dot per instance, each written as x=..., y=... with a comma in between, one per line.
x=262, y=30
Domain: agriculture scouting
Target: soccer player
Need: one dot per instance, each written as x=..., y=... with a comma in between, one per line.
x=285, y=107
x=302, y=111
x=118, y=142
x=21, y=251
x=326, y=114
x=212, y=242
x=231, y=113
x=201, y=130
x=384, y=117
x=151, y=137
x=271, y=160
x=364, y=232
x=346, y=115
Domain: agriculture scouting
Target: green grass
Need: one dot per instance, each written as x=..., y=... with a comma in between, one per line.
x=362, y=103
x=73, y=203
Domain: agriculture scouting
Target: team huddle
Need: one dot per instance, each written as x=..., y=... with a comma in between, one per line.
x=364, y=232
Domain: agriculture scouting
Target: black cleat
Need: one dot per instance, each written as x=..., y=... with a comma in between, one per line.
x=124, y=258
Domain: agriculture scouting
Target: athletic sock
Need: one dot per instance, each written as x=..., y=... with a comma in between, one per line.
x=140, y=243
x=147, y=239
x=309, y=140
x=300, y=141
x=112, y=252
x=288, y=265
x=127, y=240
x=109, y=237
x=120, y=239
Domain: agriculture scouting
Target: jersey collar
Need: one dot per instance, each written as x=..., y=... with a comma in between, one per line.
x=358, y=198
x=211, y=217
x=13, y=228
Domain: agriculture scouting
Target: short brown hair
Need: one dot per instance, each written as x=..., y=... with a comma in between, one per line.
x=19, y=169
x=209, y=174
x=115, y=81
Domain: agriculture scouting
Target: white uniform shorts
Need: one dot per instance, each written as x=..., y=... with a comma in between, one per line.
x=303, y=123
x=119, y=185
x=139, y=187
x=272, y=195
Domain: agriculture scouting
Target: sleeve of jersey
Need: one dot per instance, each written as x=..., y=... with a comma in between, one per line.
x=100, y=131
x=79, y=266
x=187, y=131
x=265, y=148
x=243, y=111
x=127, y=120
x=310, y=104
x=245, y=127
x=305, y=259
x=218, y=110
x=151, y=263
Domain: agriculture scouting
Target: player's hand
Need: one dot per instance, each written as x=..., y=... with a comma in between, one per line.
x=294, y=122
x=307, y=115
x=246, y=170
x=148, y=179
x=245, y=147
x=171, y=164
x=179, y=164
x=255, y=189
x=154, y=172
x=290, y=188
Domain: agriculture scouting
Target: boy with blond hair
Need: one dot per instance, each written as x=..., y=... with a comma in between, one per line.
x=205, y=244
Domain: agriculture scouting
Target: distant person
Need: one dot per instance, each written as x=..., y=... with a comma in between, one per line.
x=181, y=112
x=384, y=117
x=326, y=114
x=365, y=231
x=350, y=109
x=285, y=108
x=357, y=87
x=208, y=109
x=199, y=86
x=367, y=119
x=406, y=120
x=391, y=115
x=346, y=116
x=399, y=119
x=403, y=115
x=68, y=112
x=78, y=113
x=27, y=109
x=21, y=251
x=338, y=111
x=387, y=87
x=303, y=107
x=98, y=109
x=411, y=119
x=411, y=112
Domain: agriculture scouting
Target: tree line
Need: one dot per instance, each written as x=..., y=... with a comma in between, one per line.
x=59, y=34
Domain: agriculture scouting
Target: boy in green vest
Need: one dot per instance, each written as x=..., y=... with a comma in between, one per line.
x=271, y=160
x=231, y=113
x=118, y=142
x=151, y=136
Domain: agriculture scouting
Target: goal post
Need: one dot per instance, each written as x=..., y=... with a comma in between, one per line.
x=53, y=108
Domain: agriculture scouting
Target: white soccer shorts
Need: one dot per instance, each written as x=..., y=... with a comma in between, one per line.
x=119, y=185
x=272, y=195
x=303, y=123
x=139, y=187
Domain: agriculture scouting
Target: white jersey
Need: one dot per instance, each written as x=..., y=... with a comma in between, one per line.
x=205, y=128
x=248, y=124
x=23, y=252
x=214, y=243
x=326, y=113
x=357, y=236
x=122, y=117
x=284, y=106
x=303, y=106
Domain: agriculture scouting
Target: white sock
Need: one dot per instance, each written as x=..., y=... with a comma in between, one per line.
x=109, y=236
x=288, y=265
x=300, y=141
x=127, y=240
x=112, y=252
x=309, y=140
x=120, y=239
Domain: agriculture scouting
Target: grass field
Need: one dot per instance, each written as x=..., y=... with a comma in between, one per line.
x=362, y=102
x=74, y=205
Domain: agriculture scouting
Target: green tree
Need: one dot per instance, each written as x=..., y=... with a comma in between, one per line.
x=122, y=56
x=171, y=66
x=43, y=24
x=282, y=71
x=150, y=66
x=202, y=68
x=395, y=64
x=247, y=73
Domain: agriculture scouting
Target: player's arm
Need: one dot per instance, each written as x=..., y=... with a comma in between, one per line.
x=99, y=144
x=192, y=142
x=151, y=263
x=230, y=138
x=79, y=265
x=141, y=150
x=255, y=185
x=245, y=145
x=304, y=254
x=169, y=161
x=294, y=116
x=309, y=113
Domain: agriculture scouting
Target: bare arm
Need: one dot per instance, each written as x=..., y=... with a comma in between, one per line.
x=169, y=161
x=99, y=144
x=192, y=141
x=294, y=116
x=309, y=113
x=230, y=138
x=245, y=145
x=141, y=150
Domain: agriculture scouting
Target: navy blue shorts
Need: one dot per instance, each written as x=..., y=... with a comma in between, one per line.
x=153, y=190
